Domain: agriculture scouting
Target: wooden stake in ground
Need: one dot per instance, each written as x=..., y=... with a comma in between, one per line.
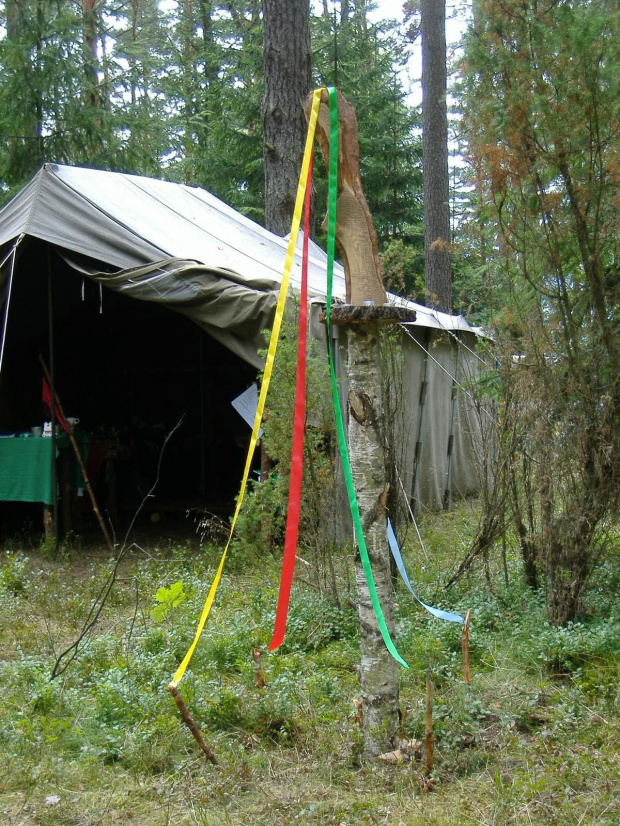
x=428, y=731
x=189, y=722
x=80, y=461
x=48, y=519
x=465, y=647
x=258, y=659
x=360, y=319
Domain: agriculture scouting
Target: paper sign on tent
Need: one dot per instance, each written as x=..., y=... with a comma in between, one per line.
x=246, y=405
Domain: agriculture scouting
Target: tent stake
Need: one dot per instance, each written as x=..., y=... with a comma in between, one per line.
x=78, y=456
x=190, y=723
x=465, y=648
x=428, y=733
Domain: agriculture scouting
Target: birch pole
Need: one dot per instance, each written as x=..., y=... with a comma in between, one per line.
x=366, y=309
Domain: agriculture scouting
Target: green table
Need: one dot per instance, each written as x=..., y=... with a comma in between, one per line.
x=26, y=467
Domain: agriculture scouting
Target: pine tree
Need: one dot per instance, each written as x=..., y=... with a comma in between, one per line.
x=213, y=90
x=135, y=57
x=180, y=94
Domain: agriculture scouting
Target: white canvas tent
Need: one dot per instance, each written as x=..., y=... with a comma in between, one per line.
x=181, y=247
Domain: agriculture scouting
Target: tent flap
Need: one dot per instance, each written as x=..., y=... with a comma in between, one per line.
x=232, y=313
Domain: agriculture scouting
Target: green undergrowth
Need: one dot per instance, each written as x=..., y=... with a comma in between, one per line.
x=533, y=740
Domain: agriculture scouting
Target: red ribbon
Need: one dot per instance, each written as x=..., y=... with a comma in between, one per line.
x=297, y=457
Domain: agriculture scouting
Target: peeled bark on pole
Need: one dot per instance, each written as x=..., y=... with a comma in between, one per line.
x=357, y=241
x=465, y=648
x=379, y=670
x=428, y=729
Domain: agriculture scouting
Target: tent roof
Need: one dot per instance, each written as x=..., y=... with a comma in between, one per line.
x=170, y=241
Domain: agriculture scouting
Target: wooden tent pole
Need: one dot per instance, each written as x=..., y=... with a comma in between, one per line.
x=78, y=456
x=51, y=381
x=8, y=292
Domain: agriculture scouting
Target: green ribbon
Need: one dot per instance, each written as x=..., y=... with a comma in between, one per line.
x=342, y=441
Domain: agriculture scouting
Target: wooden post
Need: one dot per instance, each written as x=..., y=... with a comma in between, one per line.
x=366, y=435
x=428, y=729
x=465, y=647
x=65, y=486
x=379, y=670
x=361, y=317
x=80, y=461
x=48, y=521
x=49, y=375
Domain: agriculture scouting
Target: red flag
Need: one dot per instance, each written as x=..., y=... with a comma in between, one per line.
x=47, y=406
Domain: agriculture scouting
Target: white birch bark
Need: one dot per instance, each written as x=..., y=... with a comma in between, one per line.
x=379, y=671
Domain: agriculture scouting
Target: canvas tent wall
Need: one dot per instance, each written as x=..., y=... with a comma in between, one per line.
x=181, y=247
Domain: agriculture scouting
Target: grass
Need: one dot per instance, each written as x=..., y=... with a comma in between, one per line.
x=533, y=740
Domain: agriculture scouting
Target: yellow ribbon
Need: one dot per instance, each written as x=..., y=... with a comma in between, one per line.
x=271, y=354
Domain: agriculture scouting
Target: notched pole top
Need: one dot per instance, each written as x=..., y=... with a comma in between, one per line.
x=355, y=232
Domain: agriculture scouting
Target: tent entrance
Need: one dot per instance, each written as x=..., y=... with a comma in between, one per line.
x=130, y=371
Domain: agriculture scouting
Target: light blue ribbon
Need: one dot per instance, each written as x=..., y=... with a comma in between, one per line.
x=436, y=612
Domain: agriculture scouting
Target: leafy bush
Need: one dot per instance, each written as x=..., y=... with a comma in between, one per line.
x=314, y=622
x=261, y=524
x=14, y=574
x=565, y=650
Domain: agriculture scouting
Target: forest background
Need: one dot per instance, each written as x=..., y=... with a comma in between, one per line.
x=176, y=90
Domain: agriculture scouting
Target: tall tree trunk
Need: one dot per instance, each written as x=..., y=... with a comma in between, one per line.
x=437, y=247
x=91, y=86
x=287, y=61
x=186, y=14
x=39, y=102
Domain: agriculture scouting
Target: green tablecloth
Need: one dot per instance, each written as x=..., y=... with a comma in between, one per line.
x=26, y=467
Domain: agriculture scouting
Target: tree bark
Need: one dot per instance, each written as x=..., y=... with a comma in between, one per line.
x=361, y=316
x=356, y=236
x=287, y=62
x=437, y=247
x=379, y=670
x=91, y=87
